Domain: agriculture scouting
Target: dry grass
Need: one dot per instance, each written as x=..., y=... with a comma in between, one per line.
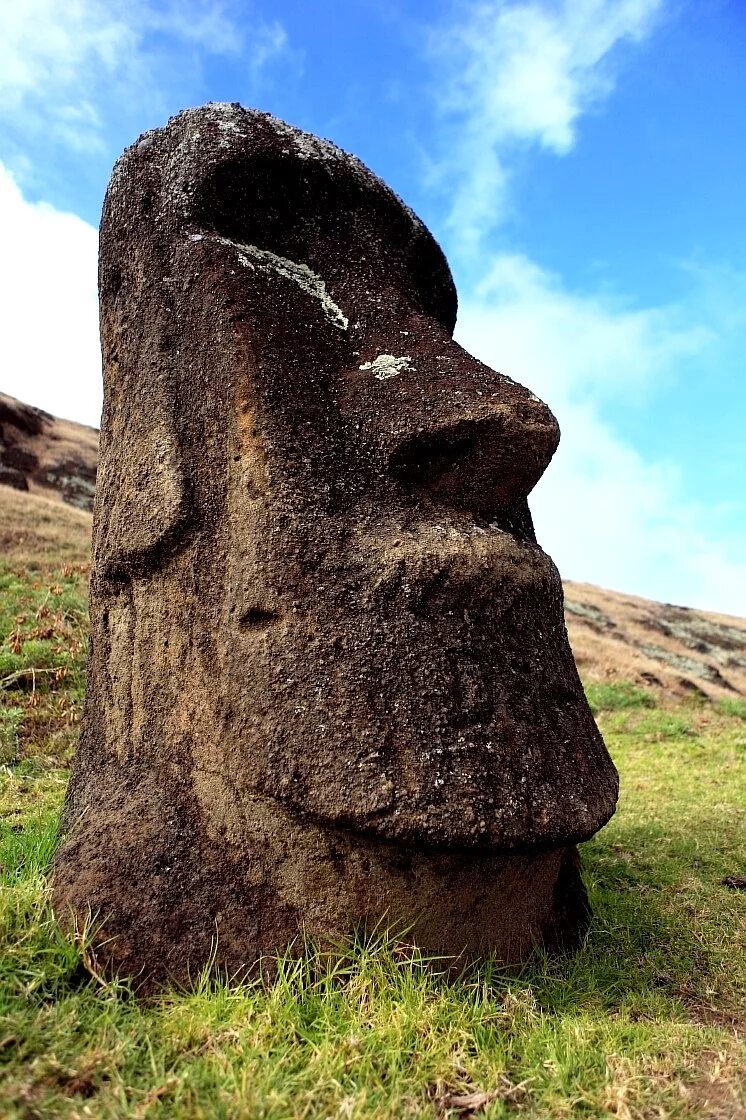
x=683, y=652
x=41, y=532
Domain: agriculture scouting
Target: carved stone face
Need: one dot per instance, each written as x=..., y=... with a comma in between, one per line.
x=315, y=573
x=329, y=679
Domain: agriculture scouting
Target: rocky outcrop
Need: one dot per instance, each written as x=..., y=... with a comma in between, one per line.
x=43, y=454
x=329, y=682
x=657, y=645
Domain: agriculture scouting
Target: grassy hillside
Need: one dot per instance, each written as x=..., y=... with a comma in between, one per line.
x=44, y=455
x=647, y=1020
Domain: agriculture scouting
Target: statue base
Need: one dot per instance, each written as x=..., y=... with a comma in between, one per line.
x=165, y=902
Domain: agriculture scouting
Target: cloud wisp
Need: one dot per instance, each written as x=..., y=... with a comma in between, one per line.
x=575, y=345
x=605, y=512
x=70, y=70
x=517, y=74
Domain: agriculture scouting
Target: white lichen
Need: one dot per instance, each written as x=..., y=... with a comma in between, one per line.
x=387, y=365
x=306, y=145
x=224, y=115
x=308, y=281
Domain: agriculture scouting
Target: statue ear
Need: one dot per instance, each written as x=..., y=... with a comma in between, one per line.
x=143, y=499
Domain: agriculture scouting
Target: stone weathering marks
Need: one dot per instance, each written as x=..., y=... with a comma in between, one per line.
x=329, y=680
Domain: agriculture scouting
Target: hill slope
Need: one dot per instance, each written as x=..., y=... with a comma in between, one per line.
x=614, y=636
x=659, y=645
x=43, y=455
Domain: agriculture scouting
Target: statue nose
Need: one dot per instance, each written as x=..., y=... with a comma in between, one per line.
x=483, y=464
x=462, y=434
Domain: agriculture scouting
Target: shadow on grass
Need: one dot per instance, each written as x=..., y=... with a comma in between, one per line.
x=656, y=945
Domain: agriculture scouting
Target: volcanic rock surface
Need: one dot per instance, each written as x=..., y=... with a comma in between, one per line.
x=329, y=682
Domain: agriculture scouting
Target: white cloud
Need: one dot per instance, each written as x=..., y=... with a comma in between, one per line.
x=68, y=68
x=610, y=517
x=45, y=44
x=515, y=75
x=568, y=346
x=522, y=73
x=605, y=513
x=50, y=348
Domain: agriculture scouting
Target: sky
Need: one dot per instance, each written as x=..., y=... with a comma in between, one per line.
x=580, y=161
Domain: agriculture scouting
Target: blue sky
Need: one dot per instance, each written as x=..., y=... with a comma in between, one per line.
x=581, y=162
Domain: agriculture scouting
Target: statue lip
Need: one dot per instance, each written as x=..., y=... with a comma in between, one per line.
x=454, y=565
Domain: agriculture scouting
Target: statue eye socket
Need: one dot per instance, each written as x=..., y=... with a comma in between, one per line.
x=310, y=211
x=274, y=202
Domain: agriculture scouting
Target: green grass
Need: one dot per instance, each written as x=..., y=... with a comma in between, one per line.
x=612, y=696
x=647, y=1020
x=733, y=706
x=43, y=637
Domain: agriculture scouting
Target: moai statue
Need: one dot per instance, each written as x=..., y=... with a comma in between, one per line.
x=329, y=680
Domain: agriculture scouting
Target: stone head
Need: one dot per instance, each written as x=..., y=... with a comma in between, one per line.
x=314, y=564
x=329, y=681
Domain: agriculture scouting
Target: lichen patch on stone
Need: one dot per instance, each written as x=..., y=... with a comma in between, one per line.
x=386, y=366
x=252, y=257
x=307, y=146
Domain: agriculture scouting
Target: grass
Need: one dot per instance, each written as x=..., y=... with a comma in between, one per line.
x=43, y=636
x=647, y=1020
x=733, y=706
x=39, y=533
x=612, y=696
